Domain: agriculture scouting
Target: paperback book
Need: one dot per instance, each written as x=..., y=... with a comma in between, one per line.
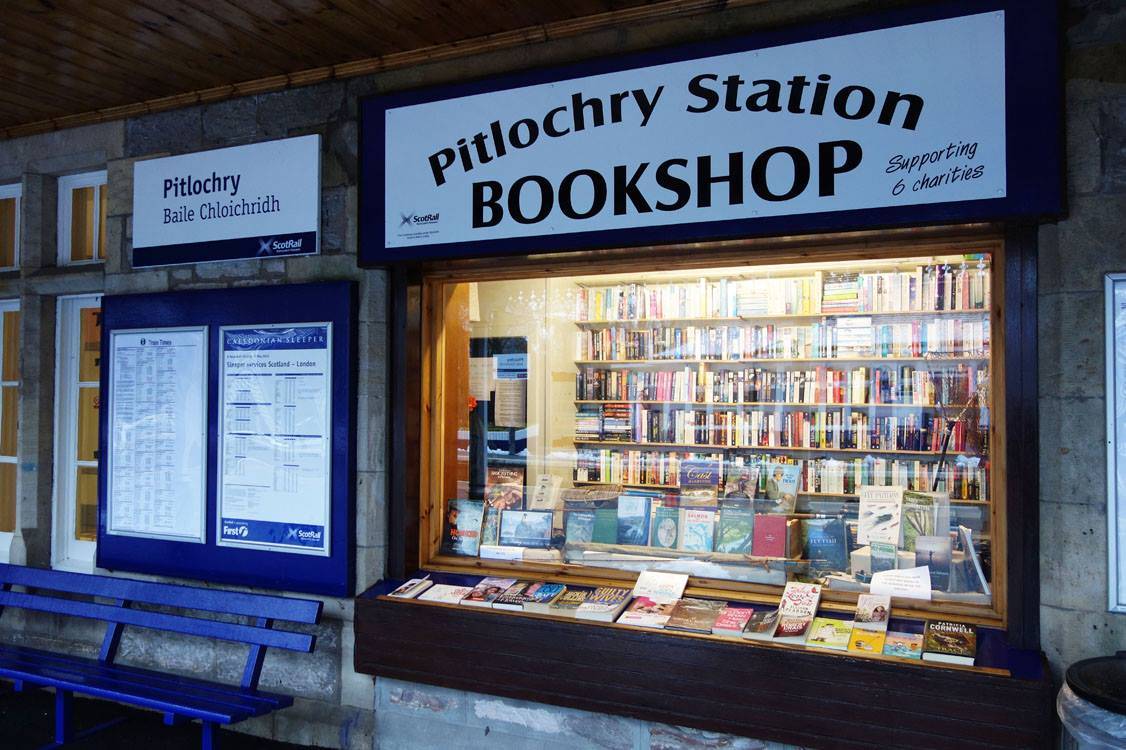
x=824, y=544
x=934, y=552
x=487, y=591
x=924, y=514
x=513, y=597
x=643, y=612
x=504, y=487
x=762, y=624
x=828, y=632
x=578, y=526
x=699, y=529
x=541, y=595
x=633, y=520
x=769, y=536
x=461, y=528
x=606, y=525
x=781, y=488
x=412, y=588
x=883, y=556
x=736, y=530
x=695, y=615
x=568, y=603
x=741, y=484
x=797, y=610
x=666, y=527
x=880, y=514
x=950, y=642
x=660, y=587
x=490, y=528
x=732, y=621
x=866, y=641
x=971, y=552
x=526, y=528
x=904, y=645
x=443, y=593
x=873, y=611
x=604, y=604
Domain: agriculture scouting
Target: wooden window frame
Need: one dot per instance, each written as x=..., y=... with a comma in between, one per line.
x=14, y=191
x=416, y=347
x=6, y=537
x=67, y=185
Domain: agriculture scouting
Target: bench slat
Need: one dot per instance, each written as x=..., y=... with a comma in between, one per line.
x=172, y=595
x=161, y=621
x=259, y=702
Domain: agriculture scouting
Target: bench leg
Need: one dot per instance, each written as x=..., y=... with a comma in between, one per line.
x=64, y=729
x=210, y=736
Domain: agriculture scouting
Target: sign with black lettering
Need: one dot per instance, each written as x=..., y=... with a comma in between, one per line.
x=889, y=124
x=257, y=201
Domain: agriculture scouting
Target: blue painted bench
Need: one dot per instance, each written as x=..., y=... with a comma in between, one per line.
x=178, y=698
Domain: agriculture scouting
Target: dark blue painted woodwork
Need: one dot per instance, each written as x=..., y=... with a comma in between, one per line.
x=179, y=698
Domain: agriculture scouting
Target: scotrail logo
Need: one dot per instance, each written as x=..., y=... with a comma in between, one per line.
x=415, y=220
x=270, y=246
x=241, y=530
x=302, y=536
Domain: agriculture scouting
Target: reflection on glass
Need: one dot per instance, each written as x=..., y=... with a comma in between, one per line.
x=7, y=497
x=90, y=345
x=814, y=422
x=7, y=232
x=86, y=495
x=82, y=223
x=88, y=403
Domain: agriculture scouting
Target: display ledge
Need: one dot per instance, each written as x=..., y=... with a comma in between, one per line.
x=771, y=691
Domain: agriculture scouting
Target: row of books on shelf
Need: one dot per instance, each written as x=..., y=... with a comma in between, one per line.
x=846, y=337
x=962, y=478
x=657, y=602
x=832, y=429
x=820, y=385
x=925, y=288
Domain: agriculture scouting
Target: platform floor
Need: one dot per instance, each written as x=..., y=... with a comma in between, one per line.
x=27, y=720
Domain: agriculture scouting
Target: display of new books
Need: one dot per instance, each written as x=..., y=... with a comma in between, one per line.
x=567, y=603
x=880, y=513
x=769, y=536
x=444, y=593
x=513, y=597
x=666, y=527
x=736, y=530
x=950, y=642
x=740, y=484
x=824, y=544
x=504, y=487
x=486, y=591
x=732, y=620
x=541, y=595
x=903, y=645
x=604, y=604
x=526, y=528
x=762, y=624
x=780, y=493
x=545, y=494
x=643, y=612
x=828, y=632
x=578, y=526
x=934, y=552
x=924, y=514
x=699, y=530
x=873, y=612
x=461, y=528
x=633, y=520
x=796, y=611
x=695, y=615
x=412, y=588
x=866, y=641
x=660, y=587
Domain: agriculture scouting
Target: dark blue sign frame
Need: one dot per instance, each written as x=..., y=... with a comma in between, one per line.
x=1033, y=133
x=333, y=302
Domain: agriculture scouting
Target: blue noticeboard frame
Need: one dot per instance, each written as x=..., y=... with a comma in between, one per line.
x=334, y=302
x=1033, y=140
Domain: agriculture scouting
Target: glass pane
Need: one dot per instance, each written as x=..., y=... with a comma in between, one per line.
x=807, y=422
x=102, y=222
x=90, y=349
x=82, y=220
x=9, y=419
x=7, y=232
x=88, y=403
x=7, y=497
x=11, y=344
x=86, y=511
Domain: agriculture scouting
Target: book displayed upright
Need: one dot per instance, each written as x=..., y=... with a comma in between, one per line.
x=796, y=611
x=504, y=487
x=461, y=528
x=633, y=520
x=950, y=642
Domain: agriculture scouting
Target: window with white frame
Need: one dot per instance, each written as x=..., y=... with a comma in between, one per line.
x=9, y=419
x=82, y=218
x=76, y=431
x=9, y=226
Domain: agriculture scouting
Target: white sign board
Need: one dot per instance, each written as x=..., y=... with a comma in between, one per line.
x=275, y=437
x=256, y=201
x=157, y=433
x=893, y=117
x=1116, y=440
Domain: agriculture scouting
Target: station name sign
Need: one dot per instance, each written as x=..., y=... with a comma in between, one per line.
x=255, y=201
x=893, y=120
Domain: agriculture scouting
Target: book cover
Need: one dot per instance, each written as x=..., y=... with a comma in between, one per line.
x=797, y=610
x=866, y=641
x=412, y=588
x=872, y=612
x=545, y=495
x=883, y=556
x=490, y=528
x=486, y=591
x=606, y=525
x=736, y=530
x=578, y=526
x=526, y=528
x=604, y=604
x=880, y=514
x=824, y=544
x=950, y=642
x=541, y=595
x=633, y=520
x=461, y=527
x=904, y=645
x=444, y=593
x=828, y=632
x=732, y=620
x=567, y=603
x=741, y=484
x=699, y=474
x=695, y=615
x=761, y=625
x=781, y=488
x=666, y=528
x=769, y=536
x=924, y=514
x=971, y=553
x=935, y=553
x=699, y=529
x=643, y=612
x=513, y=597
x=660, y=587
x=504, y=487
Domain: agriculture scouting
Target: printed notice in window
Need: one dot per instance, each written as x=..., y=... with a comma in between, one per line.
x=157, y=421
x=274, y=449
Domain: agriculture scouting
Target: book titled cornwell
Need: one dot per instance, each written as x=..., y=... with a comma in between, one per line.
x=950, y=642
